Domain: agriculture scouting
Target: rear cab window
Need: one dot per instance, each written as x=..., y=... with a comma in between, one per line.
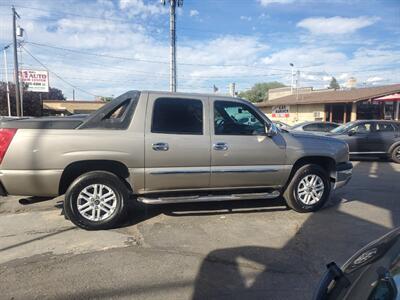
x=177, y=116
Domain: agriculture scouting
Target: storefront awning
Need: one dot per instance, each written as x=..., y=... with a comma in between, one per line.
x=393, y=97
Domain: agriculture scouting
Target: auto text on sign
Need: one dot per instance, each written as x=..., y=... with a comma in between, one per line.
x=35, y=81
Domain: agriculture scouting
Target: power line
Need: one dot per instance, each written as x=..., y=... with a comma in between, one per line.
x=137, y=72
x=151, y=61
x=55, y=74
x=198, y=76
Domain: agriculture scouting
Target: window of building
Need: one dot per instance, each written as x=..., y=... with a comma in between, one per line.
x=177, y=116
x=234, y=118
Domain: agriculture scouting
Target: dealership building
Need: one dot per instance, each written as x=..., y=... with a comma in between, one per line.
x=294, y=106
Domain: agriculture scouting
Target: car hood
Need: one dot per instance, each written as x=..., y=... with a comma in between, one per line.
x=300, y=144
x=317, y=136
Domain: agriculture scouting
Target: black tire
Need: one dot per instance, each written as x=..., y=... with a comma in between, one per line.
x=395, y=155
x=111, y=181
x=291, y=195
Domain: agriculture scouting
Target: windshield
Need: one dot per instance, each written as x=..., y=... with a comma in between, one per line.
x=342, y=128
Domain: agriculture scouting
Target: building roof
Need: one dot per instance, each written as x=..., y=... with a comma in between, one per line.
x=339, y=96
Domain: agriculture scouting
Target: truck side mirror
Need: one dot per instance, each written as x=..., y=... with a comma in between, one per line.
x=270, y=129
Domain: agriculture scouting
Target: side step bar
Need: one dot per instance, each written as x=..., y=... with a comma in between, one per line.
x=197, y=198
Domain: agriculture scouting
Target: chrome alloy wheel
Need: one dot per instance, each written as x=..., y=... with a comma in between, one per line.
x=310, y=189
x=398, y=153
x=97, y=202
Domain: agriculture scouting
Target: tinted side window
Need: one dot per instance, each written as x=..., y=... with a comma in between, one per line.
x=362, y=128
x=234, y=118
x=329, y=127
x=177, y=116
x=314, y=127
x=384, y=127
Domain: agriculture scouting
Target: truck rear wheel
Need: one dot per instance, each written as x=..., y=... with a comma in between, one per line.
x=308, y=190
x=96, y=200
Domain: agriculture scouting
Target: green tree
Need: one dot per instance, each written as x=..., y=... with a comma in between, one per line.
x=106, y=99
x=334, y=84
x=259, y=92
x=31, y=100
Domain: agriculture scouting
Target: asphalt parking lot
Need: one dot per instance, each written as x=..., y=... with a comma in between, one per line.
x=235, y=250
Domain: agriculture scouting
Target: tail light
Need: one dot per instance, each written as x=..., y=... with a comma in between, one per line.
x=6, y=136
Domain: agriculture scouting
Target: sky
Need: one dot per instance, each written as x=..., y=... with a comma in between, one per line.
x=105, y=47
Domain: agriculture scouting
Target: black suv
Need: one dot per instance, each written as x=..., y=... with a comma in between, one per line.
x=371, y=137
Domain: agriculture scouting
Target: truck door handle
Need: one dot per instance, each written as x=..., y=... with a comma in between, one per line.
x=160, y=147
x=220, y=146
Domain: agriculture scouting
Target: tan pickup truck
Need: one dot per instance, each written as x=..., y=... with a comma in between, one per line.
x=160, y=147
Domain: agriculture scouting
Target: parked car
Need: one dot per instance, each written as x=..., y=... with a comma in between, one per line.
x=160, y=147
x=371, y=137
x=247, y=120
x=315, y=126
x=372, y=273
x=282, y=125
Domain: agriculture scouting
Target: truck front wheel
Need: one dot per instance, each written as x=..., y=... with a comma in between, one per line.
x=96, y=200
x=309, y=189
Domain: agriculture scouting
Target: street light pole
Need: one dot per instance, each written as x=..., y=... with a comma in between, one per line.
x=291, y=86
x=6, y=78
x=297, y=84
x=16, y=73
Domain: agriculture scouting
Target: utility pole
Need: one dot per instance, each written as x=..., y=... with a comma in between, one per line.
x=172, y=29
x=232, y=89
x=6, y=79
x=16, y=73
x=73, y=94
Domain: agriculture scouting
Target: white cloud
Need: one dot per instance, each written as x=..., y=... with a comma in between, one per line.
x=327, y=78
x=305, y=56
x=139, y=7
x=374, y=79
x=265, y=3
x=343, y=76
x=228, y=50
x=136, y=40
x=325, y=62
x=246, y=18
x=194, y=12
x=336, y=25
